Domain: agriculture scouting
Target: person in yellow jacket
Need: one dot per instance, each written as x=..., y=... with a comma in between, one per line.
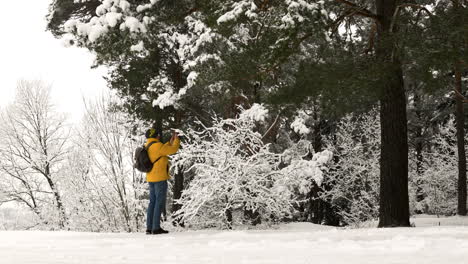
x=157, y=178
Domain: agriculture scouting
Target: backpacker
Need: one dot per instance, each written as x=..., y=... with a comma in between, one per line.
x=142, y=160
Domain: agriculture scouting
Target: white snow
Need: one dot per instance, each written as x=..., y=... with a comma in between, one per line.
x=124, y=5
x=70, y=25
x=287, y=19
x=100, y=10
x=96, y=31
x=191, y=78
x=323, y=157
x=257, y=112
x=166, y=99
x=305, y=171
x=433, y=220
x=298, y=125
x=138, y=47
x=142, y=8
x=133, y=24
x=291, y=243
x=238, y=9
x=112, y=18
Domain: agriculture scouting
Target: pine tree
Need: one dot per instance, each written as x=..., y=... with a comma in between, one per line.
x=441, y=63
x=174, y=61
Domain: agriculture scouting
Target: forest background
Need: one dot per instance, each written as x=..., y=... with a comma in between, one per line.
x=332, y=112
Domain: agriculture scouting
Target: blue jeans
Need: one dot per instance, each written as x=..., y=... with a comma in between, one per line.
x=157, y=204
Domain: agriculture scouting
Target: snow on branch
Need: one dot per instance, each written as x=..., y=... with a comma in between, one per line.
x=257, y=112
x=110, y=14
x=235, y=178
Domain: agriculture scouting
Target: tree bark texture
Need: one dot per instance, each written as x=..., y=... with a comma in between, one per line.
x=418, y=147
x=460, y=125
x=62, y=215
x=394, y=202
x=178, y=188
x=58, y=200
x=178, y=178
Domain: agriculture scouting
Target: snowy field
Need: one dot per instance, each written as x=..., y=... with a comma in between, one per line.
x=292, y=243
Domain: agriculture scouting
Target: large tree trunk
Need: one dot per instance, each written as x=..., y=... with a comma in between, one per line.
x=58, y=199
x=460, y=124
x=394, y=202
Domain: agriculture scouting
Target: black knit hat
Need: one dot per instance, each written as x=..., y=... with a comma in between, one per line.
x=152, y=133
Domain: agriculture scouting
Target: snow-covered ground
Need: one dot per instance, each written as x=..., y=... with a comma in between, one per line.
x=431, y=220
x=292, y=243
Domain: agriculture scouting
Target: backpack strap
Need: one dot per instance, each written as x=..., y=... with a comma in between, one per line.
x=158, y=159
x=149, y=145
x=147, y=148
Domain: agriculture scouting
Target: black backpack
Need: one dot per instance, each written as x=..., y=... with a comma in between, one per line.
x=142, y=160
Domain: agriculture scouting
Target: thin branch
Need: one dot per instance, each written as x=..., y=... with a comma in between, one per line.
x=371, y=38
x=335, y=25
x=262, y=5
x=279, y=62
x=272, y=125
x=398, y=8
x=360, y=10
x=458, y=94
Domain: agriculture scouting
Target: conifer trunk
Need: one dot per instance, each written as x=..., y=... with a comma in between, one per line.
x=178, y=188
x=418, y=147
x=178, y=179
x=394, y=202
x=460, y=125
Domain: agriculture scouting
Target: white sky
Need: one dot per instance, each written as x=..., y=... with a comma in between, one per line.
x=27, y=51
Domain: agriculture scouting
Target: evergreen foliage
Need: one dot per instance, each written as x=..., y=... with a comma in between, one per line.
x=312, y=76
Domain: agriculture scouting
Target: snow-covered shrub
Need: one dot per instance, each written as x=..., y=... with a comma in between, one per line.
x=308, y=171
x=236, y=178
x=303, y=173
x=353, y=179
x=438, y=181
x=234, y=173
x=299, y=124
x=303, y=177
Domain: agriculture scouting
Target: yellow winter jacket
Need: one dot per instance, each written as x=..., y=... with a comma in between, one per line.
x=160, y=168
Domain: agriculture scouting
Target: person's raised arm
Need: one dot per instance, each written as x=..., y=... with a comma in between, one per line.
x=172, y=146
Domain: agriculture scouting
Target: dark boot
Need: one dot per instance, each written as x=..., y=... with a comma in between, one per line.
x=148, y=232
x=160, y=231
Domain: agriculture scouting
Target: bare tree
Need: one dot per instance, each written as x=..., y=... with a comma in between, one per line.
x=32, y=150
x=106, y=138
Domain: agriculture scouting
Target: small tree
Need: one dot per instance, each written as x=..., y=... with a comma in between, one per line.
x=302, y=177
x=439, y=179
x=354, y=176
x=104, y=167
x=234, y=172
x=32, y=151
